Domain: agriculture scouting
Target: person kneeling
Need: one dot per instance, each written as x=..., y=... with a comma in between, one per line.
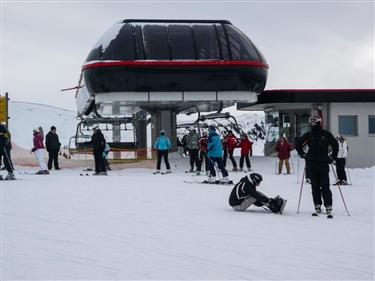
x=244, y=194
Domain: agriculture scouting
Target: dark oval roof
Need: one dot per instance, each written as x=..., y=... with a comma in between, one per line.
x=174, y=40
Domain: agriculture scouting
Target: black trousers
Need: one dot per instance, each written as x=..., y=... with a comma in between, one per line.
x=100, y=165
x=5, y=153
x=194, y=159
x=225, y=156
x=163, y=153
x=53, y=157
x=247, y=159
x=340, y=169
x=319, y=176
x=219, y=161
x=307, y=175
x=203, y=156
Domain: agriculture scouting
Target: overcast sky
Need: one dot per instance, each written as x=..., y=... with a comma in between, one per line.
x=326, y=44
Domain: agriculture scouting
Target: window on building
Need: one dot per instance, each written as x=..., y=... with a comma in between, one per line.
x=348, y=125
x=371, y=124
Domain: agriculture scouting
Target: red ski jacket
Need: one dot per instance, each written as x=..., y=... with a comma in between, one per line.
x=246, y=147
x=283, y=150
x=232, y=143
x=203, y=144
x=38, y=141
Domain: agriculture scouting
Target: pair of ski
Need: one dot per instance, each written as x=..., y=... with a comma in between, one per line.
x=161, y=173
x=216, y=182
x=315, y=214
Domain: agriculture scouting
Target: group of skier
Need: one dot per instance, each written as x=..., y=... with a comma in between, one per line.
x=318, y=147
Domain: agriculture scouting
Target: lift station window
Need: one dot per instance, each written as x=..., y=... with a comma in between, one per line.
x=182, y=46
x=206, y=42
x=241, y=47
x=155, y=41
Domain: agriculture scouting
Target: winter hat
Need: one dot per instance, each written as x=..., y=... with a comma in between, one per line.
x=36, y=130
x=211, y=128
x=53, y=128
x=162, y=132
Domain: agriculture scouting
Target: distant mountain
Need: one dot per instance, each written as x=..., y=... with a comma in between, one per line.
x=24, y=117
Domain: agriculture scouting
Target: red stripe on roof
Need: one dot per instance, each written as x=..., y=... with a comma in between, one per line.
x=173, y=63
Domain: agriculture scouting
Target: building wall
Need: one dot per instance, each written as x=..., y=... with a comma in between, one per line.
x=361, y=147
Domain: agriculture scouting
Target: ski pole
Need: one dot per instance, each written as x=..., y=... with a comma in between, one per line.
x=300, y=192
x=338, y=185
x=297, y=169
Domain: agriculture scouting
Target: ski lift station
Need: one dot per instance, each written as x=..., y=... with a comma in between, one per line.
x=166, y=67
x=161, y=68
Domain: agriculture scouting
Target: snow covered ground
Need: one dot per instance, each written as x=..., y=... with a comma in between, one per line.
x=136, y=225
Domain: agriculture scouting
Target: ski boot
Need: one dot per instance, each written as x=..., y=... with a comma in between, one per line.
x=10, y=177
x=329, y=212
x=318, y=209
x=211, y=179
x=224, y=180
x=168, y=171
x=277, y=204
x=156, y=172
x=103, y=174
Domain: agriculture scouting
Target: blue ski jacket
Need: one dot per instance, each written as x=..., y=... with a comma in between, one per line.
x=214, y=148
x=162, y=142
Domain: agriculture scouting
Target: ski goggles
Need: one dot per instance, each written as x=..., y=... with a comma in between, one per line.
x=314, y=119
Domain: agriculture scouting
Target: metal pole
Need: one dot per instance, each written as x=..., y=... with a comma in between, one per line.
x=300, y=192
x=7, y=110
x=338, y=185
x=297, y=170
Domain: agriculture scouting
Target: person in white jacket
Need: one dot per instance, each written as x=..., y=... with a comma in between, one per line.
x=341, y=160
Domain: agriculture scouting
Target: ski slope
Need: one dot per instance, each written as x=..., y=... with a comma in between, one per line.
x=136, y=225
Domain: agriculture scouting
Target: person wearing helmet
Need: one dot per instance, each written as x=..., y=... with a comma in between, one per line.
x=192, y=146
x=318, y=141
x=244, y=194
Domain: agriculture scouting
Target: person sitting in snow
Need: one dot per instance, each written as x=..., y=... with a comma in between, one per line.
x=244, y=194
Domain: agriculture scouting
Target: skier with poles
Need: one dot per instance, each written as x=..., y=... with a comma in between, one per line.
x=244, y=194
x=39, y=151
x=5, y=147
x=318, y=140
x=215, y=154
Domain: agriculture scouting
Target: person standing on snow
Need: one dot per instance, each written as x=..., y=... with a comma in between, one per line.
x=246, y=151
x=203, y=152
x=39, y=151
x=341, y=161
x=162, y=145
x=5, y=147
x=244, y=194
x=232, y=143
x=98, y=146
x=53, y=147
x=215, y=154
x=283, y=148
x=192, y=146
x=318, y=142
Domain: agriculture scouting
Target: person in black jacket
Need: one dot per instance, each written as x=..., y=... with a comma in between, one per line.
x=318, y=141
x=98, y=146
x=5, y=147
x=53, y=147
x=244, y=194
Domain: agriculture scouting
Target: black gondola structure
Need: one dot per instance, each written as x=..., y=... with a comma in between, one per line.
x=166, y=67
